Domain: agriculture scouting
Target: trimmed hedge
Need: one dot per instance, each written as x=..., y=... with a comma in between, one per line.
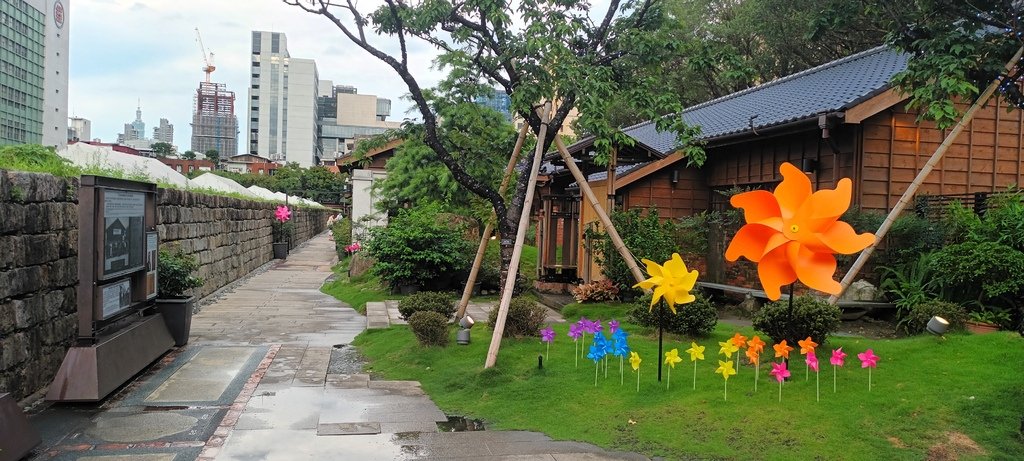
x=693, y=319
x=430, y=328
x=525, y=317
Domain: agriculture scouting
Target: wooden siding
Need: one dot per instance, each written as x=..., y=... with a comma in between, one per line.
x=687, y=196
x=986, y=157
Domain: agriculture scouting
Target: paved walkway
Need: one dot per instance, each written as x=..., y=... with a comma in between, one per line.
x=385, y=313
x=268, y=375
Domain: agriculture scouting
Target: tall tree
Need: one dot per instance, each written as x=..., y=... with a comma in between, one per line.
x=535, y=51
x=162, y=149
x=212, y=155
x=189, y=155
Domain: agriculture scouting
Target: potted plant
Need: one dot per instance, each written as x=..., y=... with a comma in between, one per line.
x=983, y=322
x=175, y=278
x=282, y=230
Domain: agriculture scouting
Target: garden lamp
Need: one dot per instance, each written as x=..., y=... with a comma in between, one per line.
x=937, y=326
x=462, y=337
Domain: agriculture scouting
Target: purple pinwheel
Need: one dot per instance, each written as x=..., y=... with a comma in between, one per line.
x=596, y=325
x=547, y=335
x=575, y=331
x=613, y=326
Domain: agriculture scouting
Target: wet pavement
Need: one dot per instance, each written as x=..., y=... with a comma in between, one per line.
x=383, y=314
x=268, y=375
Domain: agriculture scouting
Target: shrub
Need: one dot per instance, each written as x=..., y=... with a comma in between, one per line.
x=417, y=248
x=694, y=319
x=978, y=271
x=810, y=317
x=430, y=328
x=916, y=319
x=643, y=234
x=430, y=301
x=174, y=274
x=490, y=272
x=601, y=290
x=342, y=232
x=909, y=284
x=909, y=237
x=524, y=319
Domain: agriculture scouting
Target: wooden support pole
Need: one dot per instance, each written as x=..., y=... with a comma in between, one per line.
x=620, y=246
x=517, y=249
x=921, y=176
x=486, y=234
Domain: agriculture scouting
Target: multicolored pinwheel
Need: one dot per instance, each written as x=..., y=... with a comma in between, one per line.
x=780, y=373
x=868, y=360
x=696, y=353
x=726, y=369
x=793, y=234
x=671, y=359
x=838, y=357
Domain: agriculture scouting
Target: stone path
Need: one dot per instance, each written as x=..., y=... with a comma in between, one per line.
x=385, y=313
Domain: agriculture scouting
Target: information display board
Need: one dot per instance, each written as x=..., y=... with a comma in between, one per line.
x=123, y=237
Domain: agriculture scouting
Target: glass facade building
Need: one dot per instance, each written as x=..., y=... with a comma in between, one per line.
x=22, y=59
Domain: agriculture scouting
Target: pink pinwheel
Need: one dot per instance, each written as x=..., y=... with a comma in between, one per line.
x=547, y=335
x=868, y=360
x=283, y=213
x=780, y=373
x=838, y=357
x=812, y=363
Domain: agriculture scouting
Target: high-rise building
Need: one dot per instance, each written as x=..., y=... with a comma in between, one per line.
x=79, y=129
x=346, y=117
x=282, y=102
x=34, y=72
x=135, y=129
x=164, y=132
x=498, y=101
x=214, y=124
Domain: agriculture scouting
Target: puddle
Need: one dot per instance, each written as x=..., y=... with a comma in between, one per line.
x=460, y=424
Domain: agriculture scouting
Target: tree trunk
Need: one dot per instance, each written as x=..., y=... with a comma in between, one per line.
x=921, y=176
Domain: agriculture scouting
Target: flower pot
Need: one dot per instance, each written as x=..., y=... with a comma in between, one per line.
x=280, y=250
x=981, y=328
x=177, y=314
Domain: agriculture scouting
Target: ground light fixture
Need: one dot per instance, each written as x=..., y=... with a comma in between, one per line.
x=466, y=322
x=937, y=326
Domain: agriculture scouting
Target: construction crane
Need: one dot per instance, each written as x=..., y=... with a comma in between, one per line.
x=208, y=59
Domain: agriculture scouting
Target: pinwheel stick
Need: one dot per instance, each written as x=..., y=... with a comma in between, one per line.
x=817, y=386
x=869, y=379
x=597, y=366
x=757, y=373
x=668, y=382
x=780, y=391
x=638, y=380
x=576, y=352
x=694, y=375
x=833, y=379
x=622, y=376
x=661, y=324
x=547, y=352
x=727, y=389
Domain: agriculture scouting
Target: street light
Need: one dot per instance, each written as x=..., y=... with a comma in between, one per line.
x=937, y=326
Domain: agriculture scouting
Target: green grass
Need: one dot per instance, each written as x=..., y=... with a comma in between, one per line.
x=924, y=389
x=356, y=291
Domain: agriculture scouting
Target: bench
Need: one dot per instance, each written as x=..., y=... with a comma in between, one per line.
x=851, y=309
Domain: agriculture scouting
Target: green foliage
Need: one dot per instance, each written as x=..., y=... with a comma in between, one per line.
x=696, y=319
x=693, y=233
x=910, y=284
x=282, y=231
x=916, y=319
x=162, y=149
x=489, y=276
x=342, y=232
x=810, y=316
x=910, y=236
x=37, y=159
x=430, y=328
x=189, y=155
x=525, y=317
x=175, y=272
x=418, y=247
x=644, y=235
x=212, y=155
x=433, y=301
x=978, y=271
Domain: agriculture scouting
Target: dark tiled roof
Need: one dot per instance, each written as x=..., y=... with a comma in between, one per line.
x=831, y=87
x=620, y=171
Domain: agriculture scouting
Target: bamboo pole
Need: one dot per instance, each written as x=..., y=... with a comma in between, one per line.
x=921, y=176
x=517, y=249
x=486, y=234
x=620, y=246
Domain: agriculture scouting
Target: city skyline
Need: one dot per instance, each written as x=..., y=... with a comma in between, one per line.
x=113, y=68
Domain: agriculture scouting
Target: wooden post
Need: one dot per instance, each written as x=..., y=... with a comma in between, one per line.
x=605, y=220
x=921, y=176
x=517, y=249
x=612, y=165
x=486, y=234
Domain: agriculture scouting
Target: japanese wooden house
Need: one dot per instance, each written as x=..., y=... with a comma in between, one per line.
x=840, y=119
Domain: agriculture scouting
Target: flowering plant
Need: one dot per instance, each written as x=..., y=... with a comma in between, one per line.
x=601, y=290
x=282, y=224
x=353, y=248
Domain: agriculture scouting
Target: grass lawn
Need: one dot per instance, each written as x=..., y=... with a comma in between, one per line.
x=930, y=397
x=356, y=291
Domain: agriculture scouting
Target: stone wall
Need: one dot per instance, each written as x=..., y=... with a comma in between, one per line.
x=229, y=237
x=38, y=278
x=39, y=261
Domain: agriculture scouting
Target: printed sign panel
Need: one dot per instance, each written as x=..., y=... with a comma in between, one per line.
x=123, y=232
x=116, y=297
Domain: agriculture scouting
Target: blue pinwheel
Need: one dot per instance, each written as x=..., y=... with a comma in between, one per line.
x=620, y=349
x=598, y=351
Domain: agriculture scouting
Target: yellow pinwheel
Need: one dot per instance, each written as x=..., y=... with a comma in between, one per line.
x=696, y=352
x=634, y=361
x=671, y=359
x=671, y=281
x=728, y=348
x=726, y=369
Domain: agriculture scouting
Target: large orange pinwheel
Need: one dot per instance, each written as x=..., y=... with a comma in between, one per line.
x=792, y=233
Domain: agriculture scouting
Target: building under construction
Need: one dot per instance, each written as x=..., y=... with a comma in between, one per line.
x=214, y=124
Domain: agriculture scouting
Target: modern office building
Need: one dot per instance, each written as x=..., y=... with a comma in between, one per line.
x=79, y=129
x=214, y=124
x=346, y=116
x=164, y=132
x=497, y=100
x=34, y=72
x=282, y=103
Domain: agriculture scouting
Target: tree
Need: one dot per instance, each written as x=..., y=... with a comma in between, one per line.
x=162, y=149
x=189, y=155
x=212, y=155
x=534, y=51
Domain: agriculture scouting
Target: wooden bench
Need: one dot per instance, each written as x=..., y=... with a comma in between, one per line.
x=851, y=309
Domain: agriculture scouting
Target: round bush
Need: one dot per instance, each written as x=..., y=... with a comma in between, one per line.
x=433, y=301
x=430, y=328
x=524, y=319
x=916, y=320
x=810, y=317
x=694, y=319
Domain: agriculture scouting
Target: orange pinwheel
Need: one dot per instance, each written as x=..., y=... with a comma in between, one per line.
x=807, y=345
x=756, y=343
x=753, y=355
x=782, y=349
x=793, y=234
x=739, y=340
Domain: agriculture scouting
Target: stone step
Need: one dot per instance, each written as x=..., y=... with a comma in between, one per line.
x=377, y=315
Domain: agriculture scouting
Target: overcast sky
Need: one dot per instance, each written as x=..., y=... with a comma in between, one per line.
x=124, y=51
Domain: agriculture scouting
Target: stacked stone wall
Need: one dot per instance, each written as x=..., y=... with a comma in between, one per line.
x=38, y=278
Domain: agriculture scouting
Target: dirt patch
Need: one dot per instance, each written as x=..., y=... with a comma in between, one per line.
x=956, y=445
x=896, y=442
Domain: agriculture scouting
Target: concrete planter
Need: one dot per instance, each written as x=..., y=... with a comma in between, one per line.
x=177, y=314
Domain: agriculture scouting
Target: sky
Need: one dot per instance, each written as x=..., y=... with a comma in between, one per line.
x=124, y=52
